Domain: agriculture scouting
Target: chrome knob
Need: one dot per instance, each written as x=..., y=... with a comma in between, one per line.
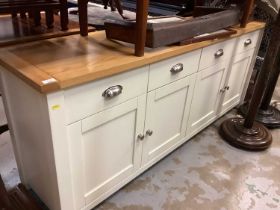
x=149, y=132
x=177, y=68
x=141, y=137
x=112, y=91
x=248, y=42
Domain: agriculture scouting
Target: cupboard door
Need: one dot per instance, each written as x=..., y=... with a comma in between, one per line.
x=236, y=80
x=105, y=149
x=166, y=117
x=206, y=97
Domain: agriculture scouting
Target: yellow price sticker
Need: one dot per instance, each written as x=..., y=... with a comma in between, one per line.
x=55, y=107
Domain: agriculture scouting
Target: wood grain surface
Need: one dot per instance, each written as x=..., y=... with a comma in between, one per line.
x=60, y=63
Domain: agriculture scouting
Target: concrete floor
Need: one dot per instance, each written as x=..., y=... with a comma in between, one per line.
x=205, y=173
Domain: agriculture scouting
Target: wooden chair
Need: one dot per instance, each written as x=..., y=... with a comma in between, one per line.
x=34, y=7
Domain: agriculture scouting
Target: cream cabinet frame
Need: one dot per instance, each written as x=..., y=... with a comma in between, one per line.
x=74, y=160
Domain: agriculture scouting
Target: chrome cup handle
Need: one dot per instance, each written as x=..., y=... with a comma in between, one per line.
x=177, y=68
x=248, y=42
x=219, y=53
x=112, y=91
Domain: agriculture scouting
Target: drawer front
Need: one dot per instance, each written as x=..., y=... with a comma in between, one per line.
x=247, y=41
x=215, y=53
x=167, y=71
x=94, y=97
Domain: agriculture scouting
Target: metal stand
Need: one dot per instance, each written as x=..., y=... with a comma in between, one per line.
x=245, y=133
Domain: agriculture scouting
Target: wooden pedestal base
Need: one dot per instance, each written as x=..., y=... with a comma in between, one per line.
x=269, y=118
x=256, y=138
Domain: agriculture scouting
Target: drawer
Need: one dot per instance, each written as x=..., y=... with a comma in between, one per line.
x=89, y=99
x=167, y=71
x=247, y=41
x=215, y=53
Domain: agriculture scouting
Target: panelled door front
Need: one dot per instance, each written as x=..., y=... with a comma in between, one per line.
x=105, y=149
x=207, y=95
x=236, y=80
x=166, y=117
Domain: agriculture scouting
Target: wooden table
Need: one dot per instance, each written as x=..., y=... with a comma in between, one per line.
x=65, y=68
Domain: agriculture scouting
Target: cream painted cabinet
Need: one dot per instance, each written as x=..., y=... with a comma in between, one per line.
x=235, y=80
x=94, y=138
x=166, y=117
x=206, y=98
x=105, y=149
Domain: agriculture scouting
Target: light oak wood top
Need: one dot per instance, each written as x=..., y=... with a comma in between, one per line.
x=60, y=63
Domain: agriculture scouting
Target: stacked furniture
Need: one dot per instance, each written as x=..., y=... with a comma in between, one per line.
x=140, y=27
x=34, y=7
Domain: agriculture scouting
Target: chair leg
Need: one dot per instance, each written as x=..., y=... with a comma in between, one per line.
x=14, y=14
x=37, y=17
x=83, y=17
x=105, y=3
x=141, y=26
x=30, y=14
x=23, y=15
x=49, y=18
x=16, y=27
x=199, y=2
x=64, y=15
x=247, y=10
x=119, y=7
x=112, y=5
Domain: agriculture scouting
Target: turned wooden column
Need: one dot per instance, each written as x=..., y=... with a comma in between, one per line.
x=271, y=62
x=267, y=114
x=141, y=26
x=247, y=133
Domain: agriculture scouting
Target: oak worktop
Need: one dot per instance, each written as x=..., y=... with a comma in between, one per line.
x=60, y=63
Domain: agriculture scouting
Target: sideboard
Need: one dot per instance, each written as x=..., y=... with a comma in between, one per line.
x=87, y=117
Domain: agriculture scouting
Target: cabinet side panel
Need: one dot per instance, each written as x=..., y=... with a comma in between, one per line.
x=27, y=115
